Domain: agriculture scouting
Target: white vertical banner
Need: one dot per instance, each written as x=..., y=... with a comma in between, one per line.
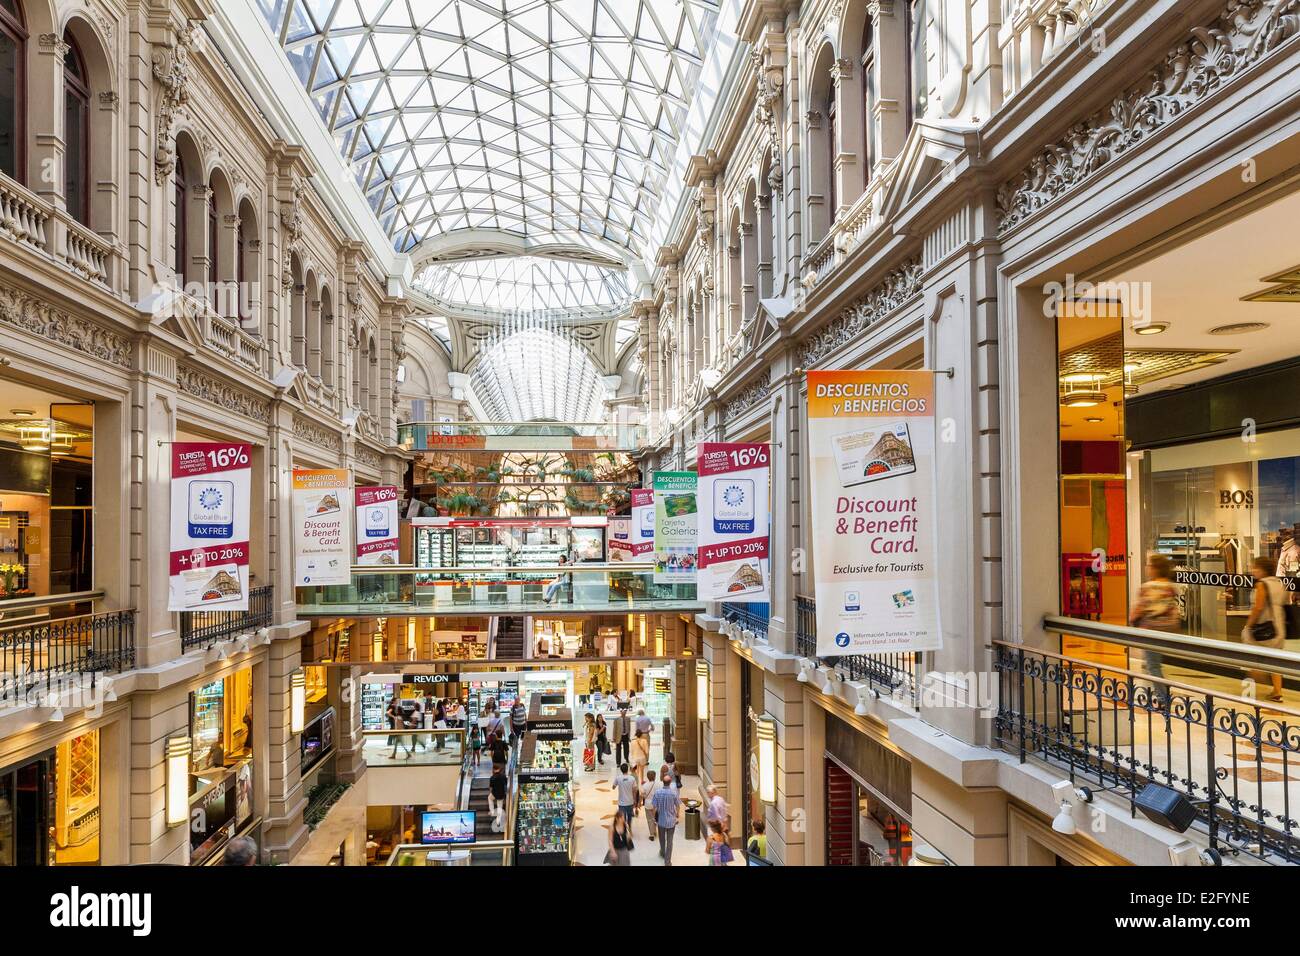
x=377, y=529
x=210, y=497
x=620, y=539
x=676, y=526
x=874, y=514
x=643, y=522
x=322, y=526
x=733, y=530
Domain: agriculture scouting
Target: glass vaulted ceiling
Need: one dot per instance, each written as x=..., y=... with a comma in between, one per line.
x=525, y=284
x=536, y=375
x=537, y=117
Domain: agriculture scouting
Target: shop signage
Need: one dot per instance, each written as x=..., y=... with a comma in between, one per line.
x=430, y=678
x=733, y=526
x=871, y=441
x=676, y=514
x=377, y=537
x=1236, y=498
x=210, y=498
x=1223, y=579
x=545, y=776
x=322, y=526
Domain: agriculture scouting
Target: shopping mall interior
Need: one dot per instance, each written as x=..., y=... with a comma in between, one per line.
x=765, y=433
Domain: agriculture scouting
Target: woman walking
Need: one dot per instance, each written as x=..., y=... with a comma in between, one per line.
x=1157, y=609
x=602, y=740
x=1266, y=623
x=620, y=842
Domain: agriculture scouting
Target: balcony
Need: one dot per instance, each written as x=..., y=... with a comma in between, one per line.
x=890, y=673
x=618, y=588
x=751, y=617
x=847, y=232
x=46, y=654
x=520, y=436
x=205, y=628
x=1116, y=726
x=30, y=221
x=1034, y=32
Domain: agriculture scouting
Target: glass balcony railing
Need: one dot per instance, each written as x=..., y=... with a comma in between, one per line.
x=521, y=436
x=414, y=747
x=618, y=588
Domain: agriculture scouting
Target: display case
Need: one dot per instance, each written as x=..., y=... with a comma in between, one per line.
x=544, y=822
x=479, y=548
x=434, y=547
x=374, y=704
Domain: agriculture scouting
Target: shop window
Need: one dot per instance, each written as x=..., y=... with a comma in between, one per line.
x=13, y=90
x=46, y=500
x=221, y=766
x=76, y=133
x=50, y=806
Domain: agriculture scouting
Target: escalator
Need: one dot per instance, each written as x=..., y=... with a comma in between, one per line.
x=509, y=639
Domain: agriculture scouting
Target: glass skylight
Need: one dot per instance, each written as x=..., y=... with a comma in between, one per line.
x=536, y=117
x=525, y=283
x=537, y=375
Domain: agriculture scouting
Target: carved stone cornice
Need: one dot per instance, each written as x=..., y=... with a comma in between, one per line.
x=291, y=218
x=895, y=290
x=25, y=312
x=1243, y=34
x=200, y=384
x=171, y=68
x=749, y=396
x=309, y=431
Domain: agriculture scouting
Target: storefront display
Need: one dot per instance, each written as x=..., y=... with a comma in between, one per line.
x=544, y=822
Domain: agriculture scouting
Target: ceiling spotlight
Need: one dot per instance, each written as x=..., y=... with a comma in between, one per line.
x=1093, y=420
x=1150, y=328
x=21, y=412
x=1239, y=328
x=1082, y=390
x=1082, y=399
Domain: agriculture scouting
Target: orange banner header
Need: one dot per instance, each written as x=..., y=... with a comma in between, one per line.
x=306, y=478
x=871, y=393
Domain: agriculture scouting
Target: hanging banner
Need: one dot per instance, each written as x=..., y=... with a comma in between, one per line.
x=676, y=514
x=322, y=526
x=209, y=526
x=871, y=443
x=643, y=523
x=377, y=537
x=733, y=528
x=620, y=539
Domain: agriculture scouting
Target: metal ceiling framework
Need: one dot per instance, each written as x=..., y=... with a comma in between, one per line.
x=532, y=117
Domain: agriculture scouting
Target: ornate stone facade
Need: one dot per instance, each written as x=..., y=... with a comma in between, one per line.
x=193, y=381
x=897, y=288
x=1246, y=32
x=749, y=396
x=310, y=431
x=40, y=318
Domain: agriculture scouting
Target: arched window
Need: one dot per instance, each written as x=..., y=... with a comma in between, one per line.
x=241, y=250
x=869, y=98
x=13, y=93
x=180, y=196
x=917, y=85
x=76, y=133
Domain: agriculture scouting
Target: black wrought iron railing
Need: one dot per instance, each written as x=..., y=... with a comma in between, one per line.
x=45, y=654
x=894, y=672
x=205, y=628
x=1120, y=730
x=753, y=617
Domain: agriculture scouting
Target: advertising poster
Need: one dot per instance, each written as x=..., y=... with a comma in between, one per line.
x=676, y=517
x=209, y=526
x=322, y=526
x=871, y=439
x=733, y=527
x=377, y=536
x=643, y=523
x=620, y=539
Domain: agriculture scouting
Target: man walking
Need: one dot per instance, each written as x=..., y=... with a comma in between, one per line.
x=623, y=734
x=625, y=786
x=518, y=720
x=667, y=804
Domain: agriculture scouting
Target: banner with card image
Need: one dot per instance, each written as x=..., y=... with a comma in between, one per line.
x=733, y=528
x=874, y=536
x=322, y=526
x=377, y=529
x=210, y=498
x=676, y=526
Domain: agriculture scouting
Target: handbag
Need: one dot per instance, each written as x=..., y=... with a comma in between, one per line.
x=725, y=854
x=1263, y=631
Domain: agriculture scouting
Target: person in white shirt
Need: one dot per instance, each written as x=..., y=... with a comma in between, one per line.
x=648, y=789
x=625, y=787
x=718, y=811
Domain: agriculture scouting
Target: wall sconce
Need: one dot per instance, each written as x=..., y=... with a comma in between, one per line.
x=178, y=781
x=297, y=701
x=643, y=629
x=766, y=728
x=702, y=690
x=659, y=642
